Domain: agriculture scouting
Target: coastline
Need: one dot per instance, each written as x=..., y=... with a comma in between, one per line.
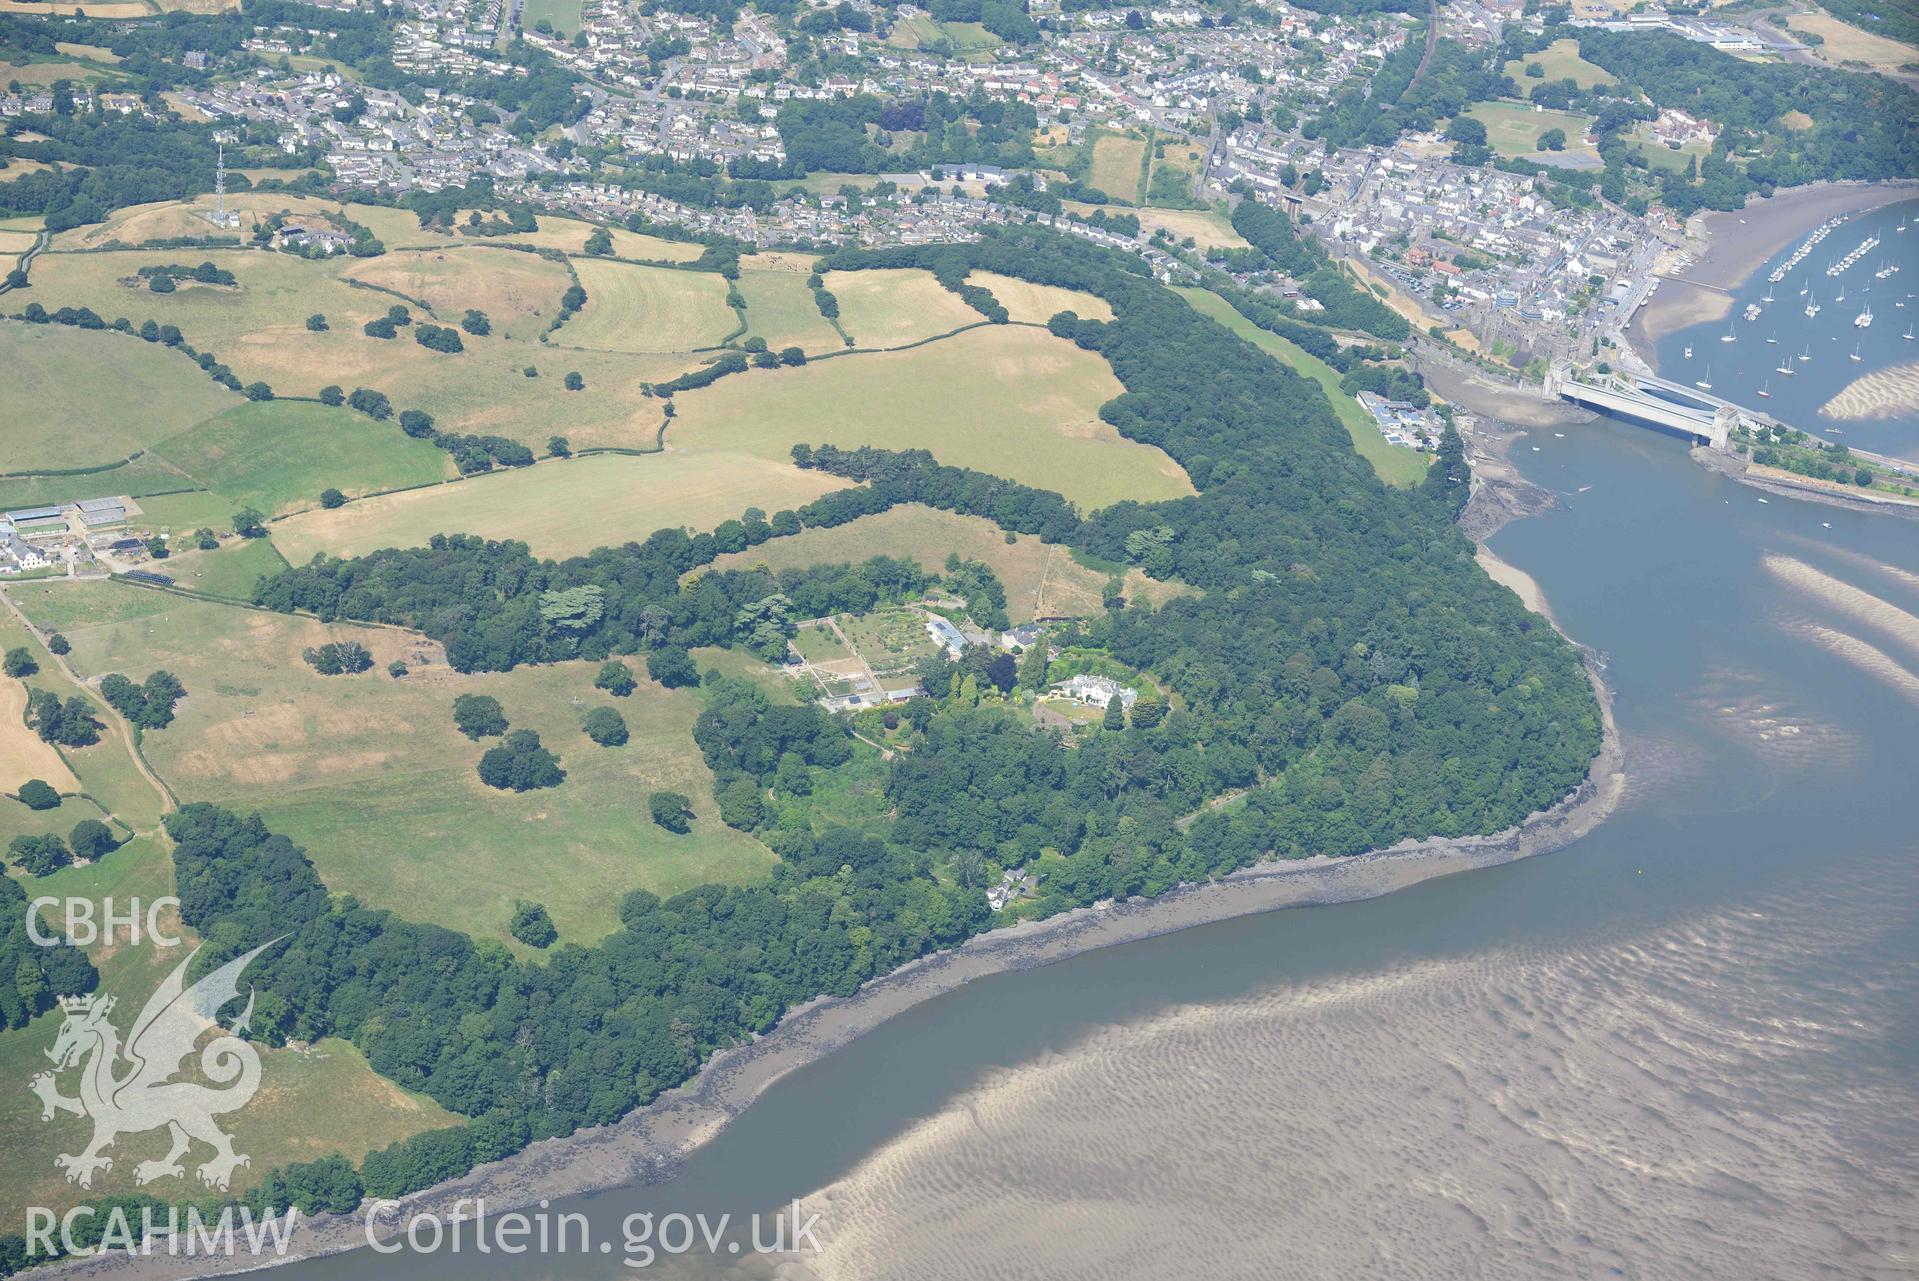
x=650, y=1144
x=1729, y=247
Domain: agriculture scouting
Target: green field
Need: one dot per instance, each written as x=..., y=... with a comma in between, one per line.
x=1513, y=128
x=564, y=15
x=1395, y=466
x=230, y=571
x=647, y=309
x=893, y=307
x=60, y=413
x=780, y=309
x=922, y=32
x=259, y=329
x=277, y=456
x=1013, y=401
x=562, y=508
x=368, y=773
x=1561, y=61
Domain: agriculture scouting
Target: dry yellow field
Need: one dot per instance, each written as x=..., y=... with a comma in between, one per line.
x=1012, y=401
x=520, y=293
x=570, y=234
x=1038, y=304
x=66, y=9
x=1847, y=43
x=1042, y=580
x=895, y=306
x=647, y=309
x=22, y=754
x=561, y=507
x=1117, y=163
x=169, y=219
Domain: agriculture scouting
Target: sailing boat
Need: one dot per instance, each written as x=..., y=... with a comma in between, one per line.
x=1731, y=334
x=1864, y=319
x=1806, y=354
x=1855, y=352
x=1768, y=297
x=1785, y=367
x=1688, y=351
x=1812, y=307
x=1764, y=392
x=1705, y=382
x=1908, y=334
x=1773, y=341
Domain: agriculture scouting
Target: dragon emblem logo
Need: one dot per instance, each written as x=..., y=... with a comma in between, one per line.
x=132, y=1087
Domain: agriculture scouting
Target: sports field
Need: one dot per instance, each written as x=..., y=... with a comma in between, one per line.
x=562, y=15
x=278, y=455
x=780, y=308
x=1013, y=401
x=369, y=774
x=1394, y=465
x=1561, y=61
x=891, y=307
x=1513, y=128
x=519, y=292
x=1038, y=304
x=562, y=507
x=647, y=309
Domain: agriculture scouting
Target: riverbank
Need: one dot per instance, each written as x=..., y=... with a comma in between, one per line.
x=649, y=1145
x=1785, y=484
x=1728, y=247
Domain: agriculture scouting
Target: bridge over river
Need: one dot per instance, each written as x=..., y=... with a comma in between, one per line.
x=1689, y=412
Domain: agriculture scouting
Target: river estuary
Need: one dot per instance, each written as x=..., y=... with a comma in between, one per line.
x=1687, y=1045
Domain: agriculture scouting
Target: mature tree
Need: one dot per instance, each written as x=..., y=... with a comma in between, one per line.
x=671, y=810
x=203, y=540
x=257, y=391
x=672, y=667
x=317, y=323
x=92, y=839
x=1115, y=715
x=39, y=855
x=248, y=523
x=70, y=723
x=532, y=926
x=616, y=678
x=332, y=395
x=600, y=243
x=339, y=658
x=520, y=764
x=38, y=794
x=606, y=727
x=1553, y=140
x=59, y=644
x=331, y=498
x=476, y=323
x=558, y=447
x=573, y=381
x=19, y=662
x=479, y=715
x=740, y=804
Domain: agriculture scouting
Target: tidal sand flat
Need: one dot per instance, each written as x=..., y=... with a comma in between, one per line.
x=1884, y=393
